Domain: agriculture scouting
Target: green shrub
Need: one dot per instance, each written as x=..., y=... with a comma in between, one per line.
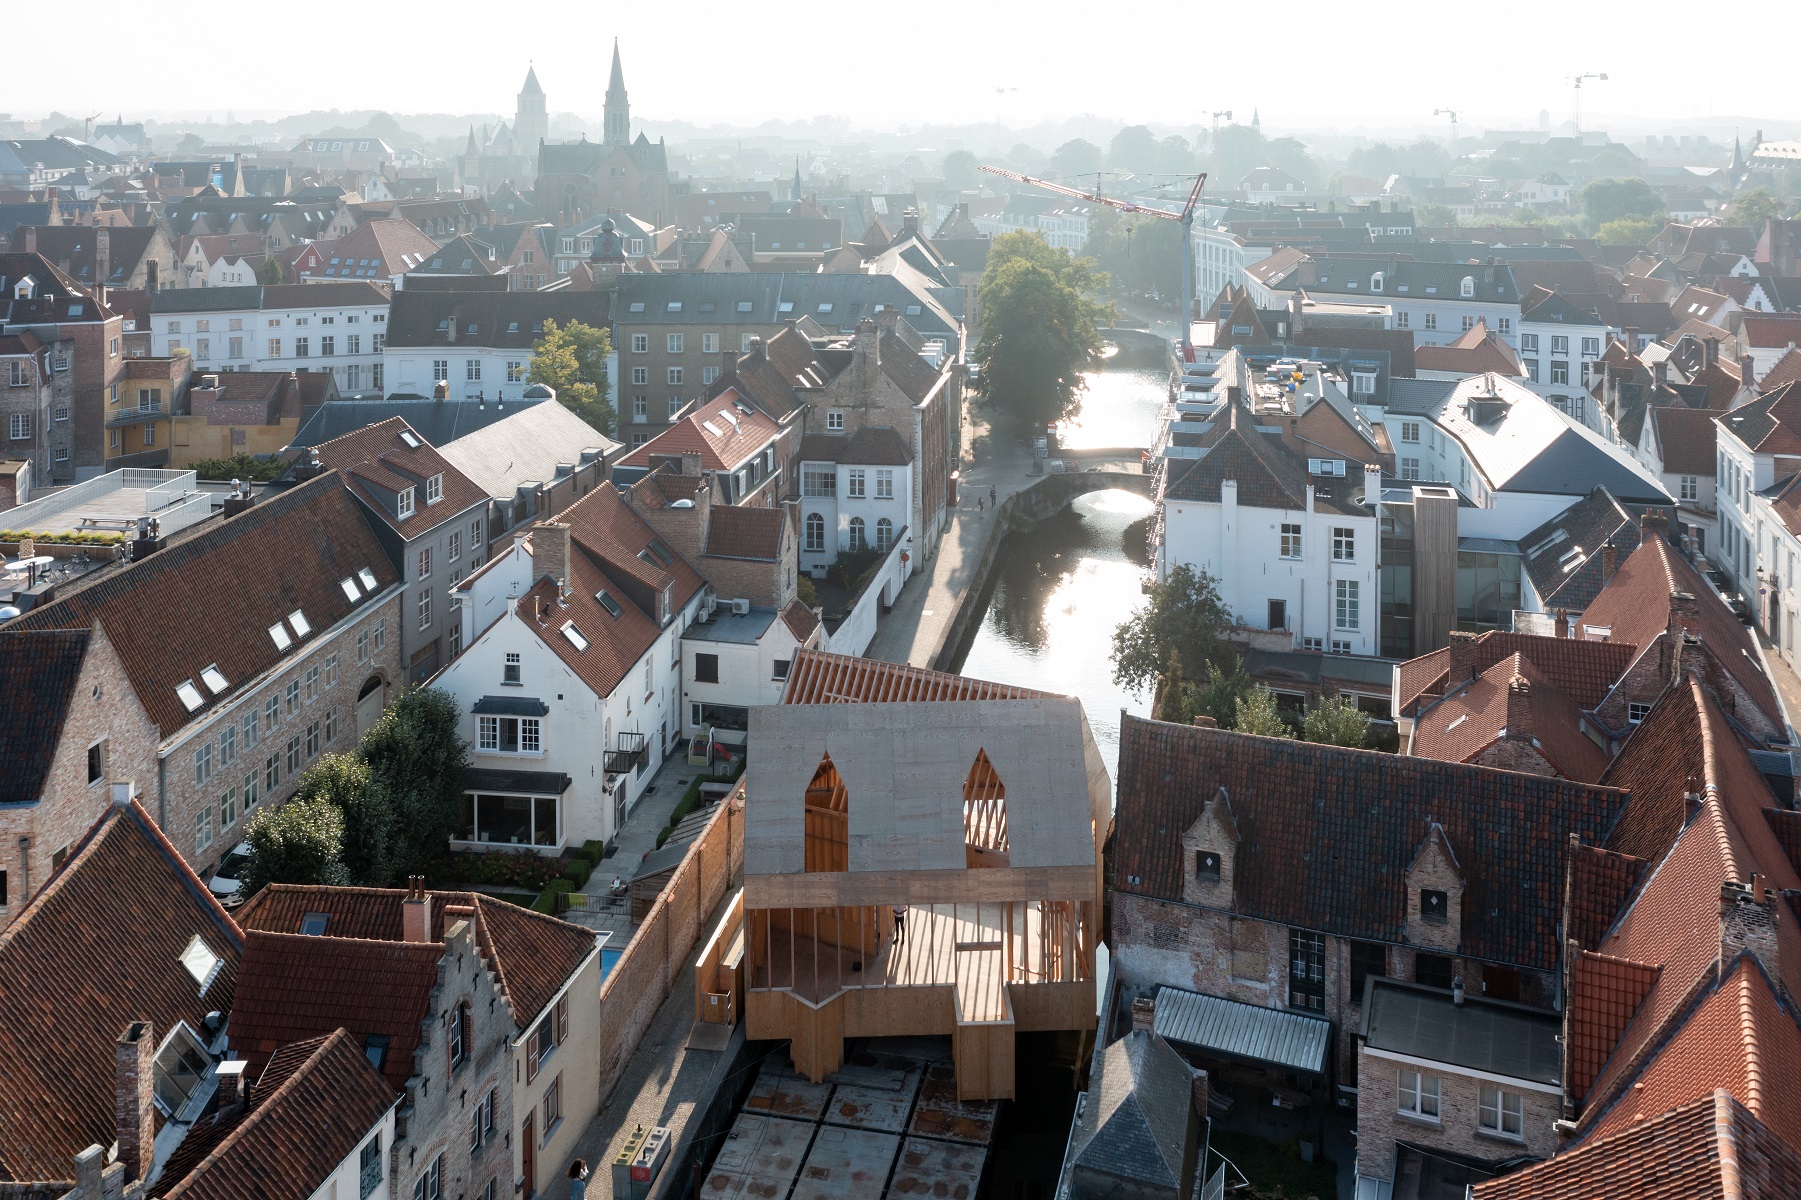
x=256, y=468
x=577, y=872
x=547, y=899
x=593, y=850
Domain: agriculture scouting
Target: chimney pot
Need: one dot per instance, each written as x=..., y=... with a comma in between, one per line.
x=134, y=1113
x=1144, y=1013
x=233, y=1087
x=415, y=911
x=1610, y=562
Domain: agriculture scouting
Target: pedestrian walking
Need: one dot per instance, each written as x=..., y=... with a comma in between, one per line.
x=992, y=494
x=978, y=504
x=578, y=1180
x=900, y=925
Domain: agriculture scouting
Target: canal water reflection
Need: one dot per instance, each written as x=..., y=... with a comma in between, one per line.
x=1123, y=402
x=1059, y=591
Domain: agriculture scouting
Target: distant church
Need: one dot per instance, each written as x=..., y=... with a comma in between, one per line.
x=507, y=153
x=618, y=174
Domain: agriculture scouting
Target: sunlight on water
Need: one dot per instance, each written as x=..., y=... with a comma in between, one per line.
x=1059, y=592
x=1121, y=404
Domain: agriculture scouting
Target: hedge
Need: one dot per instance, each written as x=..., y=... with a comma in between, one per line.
x=547, y=899
x=63, y=538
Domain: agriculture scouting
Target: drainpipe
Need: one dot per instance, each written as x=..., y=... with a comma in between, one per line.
x=162, y=792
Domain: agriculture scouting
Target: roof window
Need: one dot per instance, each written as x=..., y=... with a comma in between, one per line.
x=825, y=306
x=410, y=438
x=576, y=637
x=368, y=578
x=675, y=306
x=201, y=962
x=635, y=306
x=213, y=678
x=712, y=428
x=607, y=602
x=298, y=620
x=278, y=633
x=351, y=592
x=189, y=695
x=785, y=306
x=313, y=924
x=744, y=306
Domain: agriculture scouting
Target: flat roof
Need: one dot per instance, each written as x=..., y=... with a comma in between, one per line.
x=1481, y=1035
x=727, y=626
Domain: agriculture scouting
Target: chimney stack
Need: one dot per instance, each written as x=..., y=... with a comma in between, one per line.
x=1519, y=710
x=1563, y=623
x=691, y=464
x=31, y=239
x=1463, y=658
x=233, y=1087
x=1610, y=561
x=103, y=255
x=415, y=911
x=1144, y=1013
x=1747, y=370
x=550, y=551
x=134, y=1114
x=1653, y=522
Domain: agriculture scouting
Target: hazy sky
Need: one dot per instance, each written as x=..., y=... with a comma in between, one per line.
x=1304, y=63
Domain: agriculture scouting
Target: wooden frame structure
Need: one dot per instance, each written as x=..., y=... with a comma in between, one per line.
x=919, y=866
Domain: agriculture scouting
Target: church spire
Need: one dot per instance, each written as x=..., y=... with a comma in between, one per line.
x=618, y=107
x=794, y=192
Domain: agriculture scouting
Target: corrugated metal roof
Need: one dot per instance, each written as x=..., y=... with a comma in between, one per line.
x=1266, y=1034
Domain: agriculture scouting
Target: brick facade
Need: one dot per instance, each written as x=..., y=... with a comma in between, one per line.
x=203, y=811
x=34, y=838
x=1380, y=1123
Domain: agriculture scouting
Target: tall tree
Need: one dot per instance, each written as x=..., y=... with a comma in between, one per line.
x=417, y=759
x=1139, y=254
x=371, y=826
x=1040, y=329
x=1185, y=616
x=1133, y=148
x=1753, y=208
x=572, y=359
x=1074, y=158
x=1335, y=721
x=960, y=172
x=1605, y=200
x=269, y=272
x=300, y=842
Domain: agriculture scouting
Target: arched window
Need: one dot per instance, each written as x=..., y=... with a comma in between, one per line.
x=1376, y=281
x=884, y=534
x=1469, y=286
x=859, y=537
x=815, y=532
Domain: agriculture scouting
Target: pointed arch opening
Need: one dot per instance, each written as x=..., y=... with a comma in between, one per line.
x=985, y=815
x=828, y=819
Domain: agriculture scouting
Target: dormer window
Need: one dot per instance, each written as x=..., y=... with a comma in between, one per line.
x=1376, y=281
x=1467, y=289
x=1434, y=905
x=434, y=488
x=1206, y=866
x=404, y=502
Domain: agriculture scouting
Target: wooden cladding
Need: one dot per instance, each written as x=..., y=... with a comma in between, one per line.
x=851, y=888
x=828, y=820
x=984, y=808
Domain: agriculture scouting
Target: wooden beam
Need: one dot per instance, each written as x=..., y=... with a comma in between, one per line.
x=993, y=885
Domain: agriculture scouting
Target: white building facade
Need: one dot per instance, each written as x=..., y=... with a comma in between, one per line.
x=340, y=328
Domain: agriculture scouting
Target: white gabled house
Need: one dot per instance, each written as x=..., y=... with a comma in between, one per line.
x=856, y=494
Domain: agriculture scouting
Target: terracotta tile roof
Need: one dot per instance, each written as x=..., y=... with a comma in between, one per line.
x=373, y=250
x=1605, y=993
x=817, y=677
x=97, y=948
x=532, y=954
x=1584, y=671
x=1685, y=438
x=38, y=673
x=312, y=1108
x=1786, y=371
x=734, y=437
x=377, y=463
x=1421, y=677
x=660, y=489
x=741, y=531
x=292, y=987
x=1510, y=697
x=1325, y=833
x=1712, y=1147
x=1638, y=606
x=802, y=621
x=1661, y=764
x=221, y=571
x=1597, y=887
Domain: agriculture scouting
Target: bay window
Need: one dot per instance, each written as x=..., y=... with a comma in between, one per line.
x=511, y=735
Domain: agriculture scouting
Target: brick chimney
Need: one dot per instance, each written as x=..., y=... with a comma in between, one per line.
x=1463, y=658
x=415, y=911
x=134, y=1113
x=31, y=239
x=1747, y=370
x=1519, y=710
x=234, y=1089
x=550, y=551
x=1713, y=350
x=691, y=464
x=1660, y=371
x=1653, y=522
x=1144, y=1013
x=103, y=254
x=1562, y=626
x=1749, y=914
x=1610, y=562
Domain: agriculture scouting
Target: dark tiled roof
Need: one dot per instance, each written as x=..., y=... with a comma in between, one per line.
x=1139, y=1101
x=312, y=1108
x=532, y=954
x=217, y=596
x=505, y=320
x=1326, y=833
x=1685, y=436
x=801, y=620
x=38, y=673
x=376, y=462
x=1599, y=883
x=1771, y=423
x=97, y=948
x=736, y=531
x=876, y=445
x=439, y=422
x=1563, y=556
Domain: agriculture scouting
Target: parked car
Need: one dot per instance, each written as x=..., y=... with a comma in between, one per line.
x=227, y=882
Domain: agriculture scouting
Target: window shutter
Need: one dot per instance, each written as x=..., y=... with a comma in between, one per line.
x=531, y=1057
x=562, y=1020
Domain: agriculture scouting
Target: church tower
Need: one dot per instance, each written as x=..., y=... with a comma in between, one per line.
x=531, y=122
x=618, y=109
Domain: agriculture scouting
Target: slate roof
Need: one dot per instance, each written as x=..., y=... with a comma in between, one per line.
x=97, y=948
x=344, y=294
x=533, y=955
x=38, y=673
x=1637, y=606
x=219, y=571
x=495, y=319
x=1478, y=1034
x=58, y=300
x=1684, y=438
x=440, y=422
x=77, y=245
x=851, y=297
x=1563, y=558
x=1770, y=424
x=876, y=445
x=1326, y=833
x=376, y=463
x=1135, y=1125
x=527, y=445
x=312, y=1108
x=1711, y=1147
x=1511, y=698
x=1268, y=474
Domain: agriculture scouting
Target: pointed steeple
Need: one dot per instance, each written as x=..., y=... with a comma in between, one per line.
x=618, y=129
x=531, y=87
x=794, y=192
x=471, y=148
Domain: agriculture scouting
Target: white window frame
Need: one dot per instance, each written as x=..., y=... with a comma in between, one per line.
x=1418, y=1095
x=1498, y=1109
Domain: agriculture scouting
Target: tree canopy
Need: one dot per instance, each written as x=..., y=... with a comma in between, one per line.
x=572, y=359
x=1753, y=208
x=1138, y=253
x=1185, y=619
x=1628, y=231
x=1604, y=200
x=1335, y=721
x=1133, y=148
x=415, y=756
x=959, y=169
x=300, y=842
x=1257, y=713
x=1076, y=157
x=1040, y=328
x=371, y=825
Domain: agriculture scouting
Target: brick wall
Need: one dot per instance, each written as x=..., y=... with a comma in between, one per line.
x=1380, y=1123
x=183, y=800
x=96, y=368
x=1509, y=754
x=69, y=804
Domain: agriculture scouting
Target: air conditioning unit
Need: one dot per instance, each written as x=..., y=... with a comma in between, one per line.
x=741, y=608
x=712, y=603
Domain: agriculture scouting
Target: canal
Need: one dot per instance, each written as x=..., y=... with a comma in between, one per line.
x=1060, y=589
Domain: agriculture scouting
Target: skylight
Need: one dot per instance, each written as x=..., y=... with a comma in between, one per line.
x=298, y=620
x=407, y=436
x=351, y=592
x=712, y=428
x=189, y=694
x=368, y=578
x=607, y=602
x=744, y=306
x=675, y=306
x=576, y=637
x=213, y=678
x=825, y=306
x=201, y=962
x=313, y=924
x=636, y=306
x=278, y=633
x=785, y=306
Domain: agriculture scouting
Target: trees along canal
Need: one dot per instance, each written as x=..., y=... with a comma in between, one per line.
x=1040, y=329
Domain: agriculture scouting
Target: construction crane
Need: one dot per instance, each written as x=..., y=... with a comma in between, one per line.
x=1451, y=113
x=1576, y=120
x=1186, y=217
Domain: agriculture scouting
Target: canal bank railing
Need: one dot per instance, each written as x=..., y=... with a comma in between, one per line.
x=1037, y=501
